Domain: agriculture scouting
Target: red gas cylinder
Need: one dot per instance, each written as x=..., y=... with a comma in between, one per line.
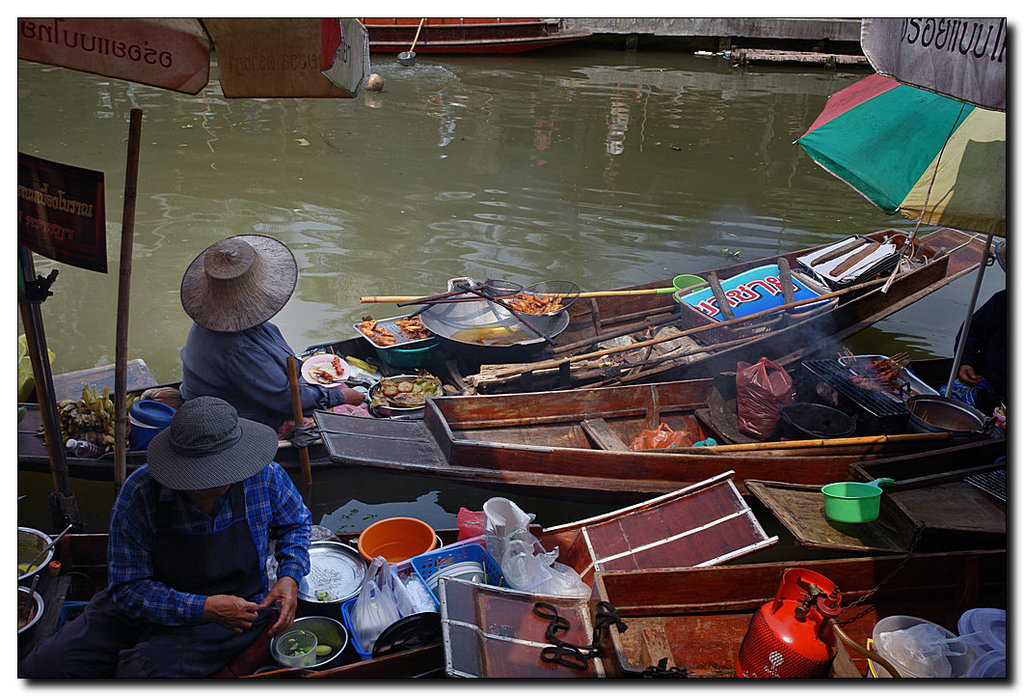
x=791, y=637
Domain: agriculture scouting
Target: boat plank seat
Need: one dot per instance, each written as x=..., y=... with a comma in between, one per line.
x=602, y=435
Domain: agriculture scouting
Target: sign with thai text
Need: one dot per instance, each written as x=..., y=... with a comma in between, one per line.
x=962, y=58
x=61, y=214
x=749, y=292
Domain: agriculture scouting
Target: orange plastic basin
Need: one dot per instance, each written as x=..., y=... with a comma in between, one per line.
x=396, y=539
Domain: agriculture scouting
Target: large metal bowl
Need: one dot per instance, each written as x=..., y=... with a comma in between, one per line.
x=489, y=331
x=940, y=414
x=35, y=605
x=30, y=543
x=328, y=631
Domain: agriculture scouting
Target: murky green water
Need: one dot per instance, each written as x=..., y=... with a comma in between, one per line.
x=604, y=168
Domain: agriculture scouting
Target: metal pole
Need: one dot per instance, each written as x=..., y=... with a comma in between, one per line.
x=63, y=505
x=970, y=312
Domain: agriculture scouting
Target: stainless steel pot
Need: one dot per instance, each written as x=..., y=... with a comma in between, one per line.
x=940, y=414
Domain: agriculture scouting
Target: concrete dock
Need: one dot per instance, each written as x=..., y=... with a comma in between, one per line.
x=832, y=36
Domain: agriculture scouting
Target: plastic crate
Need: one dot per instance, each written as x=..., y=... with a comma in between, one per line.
x=427, y=564
x=346, y=611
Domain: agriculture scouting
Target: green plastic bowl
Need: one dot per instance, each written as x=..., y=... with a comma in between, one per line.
x=851, y=501
x=406, y=357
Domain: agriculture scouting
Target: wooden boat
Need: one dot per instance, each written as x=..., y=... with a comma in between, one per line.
x=573, y=361
x=701, y=525
x=467, y=35
x=696, y=618
x=574, y=443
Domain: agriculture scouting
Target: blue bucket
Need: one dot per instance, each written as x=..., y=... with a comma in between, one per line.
x=147, y=418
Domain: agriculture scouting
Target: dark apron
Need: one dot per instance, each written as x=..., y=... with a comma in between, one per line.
x=104, y=642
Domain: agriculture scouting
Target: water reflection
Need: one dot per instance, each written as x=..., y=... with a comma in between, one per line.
x=600, y=167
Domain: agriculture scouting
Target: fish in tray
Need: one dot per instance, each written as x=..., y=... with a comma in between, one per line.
x=393, y=331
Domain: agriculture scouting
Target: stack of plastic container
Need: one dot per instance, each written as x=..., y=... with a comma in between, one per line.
x=984, y=629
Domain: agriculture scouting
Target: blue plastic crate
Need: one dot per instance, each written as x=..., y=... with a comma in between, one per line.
x=427, y=564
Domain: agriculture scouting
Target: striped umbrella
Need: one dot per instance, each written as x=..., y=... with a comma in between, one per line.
x=926, y=156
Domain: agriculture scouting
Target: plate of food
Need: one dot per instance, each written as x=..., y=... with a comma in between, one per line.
x=325, y=370
x=403, y=394
x=394, y=332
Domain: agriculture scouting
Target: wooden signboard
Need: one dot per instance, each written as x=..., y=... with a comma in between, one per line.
x=61, y=214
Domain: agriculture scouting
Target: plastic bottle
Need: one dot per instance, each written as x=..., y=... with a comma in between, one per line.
x=82, y=448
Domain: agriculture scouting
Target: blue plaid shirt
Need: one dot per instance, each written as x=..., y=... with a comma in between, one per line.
x=273, y=508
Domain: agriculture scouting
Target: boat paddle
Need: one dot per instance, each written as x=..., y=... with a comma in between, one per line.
x=409, y=57
x=293, y=383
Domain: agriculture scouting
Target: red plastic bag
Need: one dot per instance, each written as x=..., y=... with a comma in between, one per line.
x=663, y=437
x=762, y=389
x=470, y=523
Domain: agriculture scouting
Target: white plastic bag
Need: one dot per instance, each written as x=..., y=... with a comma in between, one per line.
x=375, y=608
x=524, y=563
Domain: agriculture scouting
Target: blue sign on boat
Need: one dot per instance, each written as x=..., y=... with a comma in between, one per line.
x=749, y=292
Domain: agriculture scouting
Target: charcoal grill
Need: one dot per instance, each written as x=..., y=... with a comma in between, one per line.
x=875, y=410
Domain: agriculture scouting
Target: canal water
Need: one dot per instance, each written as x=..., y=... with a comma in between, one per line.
x=605, y=168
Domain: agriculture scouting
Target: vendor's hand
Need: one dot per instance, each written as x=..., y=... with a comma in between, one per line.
x=285, y=593
x=968, y=376
x=230, y=611
x=353, y=397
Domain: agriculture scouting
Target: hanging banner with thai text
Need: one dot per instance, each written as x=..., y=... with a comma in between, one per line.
x=61, y=214
x=962, y=58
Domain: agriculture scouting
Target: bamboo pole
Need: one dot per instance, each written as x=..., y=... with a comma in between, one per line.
x=705, y=327
x=832, y=442
x=124, y=286
x=293, y=383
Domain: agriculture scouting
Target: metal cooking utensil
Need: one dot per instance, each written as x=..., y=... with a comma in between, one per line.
x=50, y=545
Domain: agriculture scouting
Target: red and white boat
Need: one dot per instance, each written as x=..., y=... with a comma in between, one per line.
x=466, y=35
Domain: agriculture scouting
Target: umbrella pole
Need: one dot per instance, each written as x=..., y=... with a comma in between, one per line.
x=123, y=294
x=970, y=312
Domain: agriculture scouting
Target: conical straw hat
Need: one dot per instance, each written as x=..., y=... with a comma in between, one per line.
x=239, y=282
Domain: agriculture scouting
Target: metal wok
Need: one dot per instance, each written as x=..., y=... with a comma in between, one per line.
x=482, y=330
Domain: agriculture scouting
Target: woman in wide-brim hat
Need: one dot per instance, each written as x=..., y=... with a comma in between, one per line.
x=191, y=534
x=233, y=351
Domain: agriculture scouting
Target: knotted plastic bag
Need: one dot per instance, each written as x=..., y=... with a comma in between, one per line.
x=762, y=389
x=517, y=551
x=376, y=607
x=661, y=438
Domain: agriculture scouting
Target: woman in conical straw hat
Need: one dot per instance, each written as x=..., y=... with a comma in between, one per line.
x=233, y=351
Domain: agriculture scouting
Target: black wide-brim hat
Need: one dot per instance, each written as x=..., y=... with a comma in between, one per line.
x=207, y=446
x=239, y=282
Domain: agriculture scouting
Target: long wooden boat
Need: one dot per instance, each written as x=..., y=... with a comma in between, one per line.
x=701, y=525
x=466, y=35
x=574, y=443
x=948, y=254
x=695, y=619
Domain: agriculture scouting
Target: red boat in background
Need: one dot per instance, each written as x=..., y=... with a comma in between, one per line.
x=466, y=35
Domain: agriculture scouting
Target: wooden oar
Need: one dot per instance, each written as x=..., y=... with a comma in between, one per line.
x=832, y=442
x=293, y=382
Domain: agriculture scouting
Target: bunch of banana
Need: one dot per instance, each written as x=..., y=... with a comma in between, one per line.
x=91, y=418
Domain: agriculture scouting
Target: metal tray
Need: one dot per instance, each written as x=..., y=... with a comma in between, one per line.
x=401, y=340
x=917, y=387
x=335, y=568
